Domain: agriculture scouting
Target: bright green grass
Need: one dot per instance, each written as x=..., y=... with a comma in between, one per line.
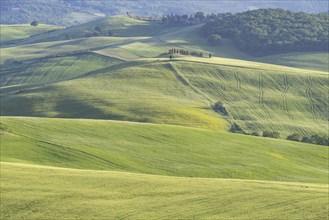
x=261, y=99
x=161, y=38
x=35, y=192
x=257, y=96
x=121, y=26
x=52, y=69
x=20, y=31
x=190, y=38
x=134, y=91
x=159, y=149
x=76, y=18
x=39, y=50
x=315, y=61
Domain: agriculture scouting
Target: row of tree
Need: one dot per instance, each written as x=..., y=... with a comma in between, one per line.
x=197, y=18
x=269, y=31
x=185, y=52
x=97, y=31
x=313, y=139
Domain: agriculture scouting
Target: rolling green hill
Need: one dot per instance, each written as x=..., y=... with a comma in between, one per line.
x=21, y=31
x=156, y=40
x=47, y=70
x=258, y=96
x=159, y=149
x=109, y=127
x=52, y=193
x=120, y=26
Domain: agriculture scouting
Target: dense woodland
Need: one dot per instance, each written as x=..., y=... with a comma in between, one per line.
x=197, y=18
x=269, y=31
x=59, y=12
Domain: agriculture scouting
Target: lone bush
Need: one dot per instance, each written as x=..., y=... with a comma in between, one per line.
x=34, y=23
x=214, y=39
x=219, y=107
x=294, y=137
x=235, y=128
x=255, y=133
x=271, y=134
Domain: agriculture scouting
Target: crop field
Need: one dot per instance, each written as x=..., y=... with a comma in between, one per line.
x=52, y=193
x=106, y=126
x=159, y=149
x=21, y=31
x=258, y=97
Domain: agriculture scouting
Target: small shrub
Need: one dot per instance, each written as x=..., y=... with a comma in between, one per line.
x=255, y=133
x=294, y=137
x=96, y=34
x=98, y=29
x=34, y=23
x=306, y=140
x=219, y=107
x=88, y=35
x=271, y=134
x=235, y=128
x=214, y=39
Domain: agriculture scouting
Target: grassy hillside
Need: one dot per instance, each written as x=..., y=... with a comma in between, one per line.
x=46, y=49
x=159, y=149
x=157, y=39
x=20, y=31
x=190, y=38
x=262, y=99
x=67, y=194
x=257, y=96
x=120, y=26
x=47, y=70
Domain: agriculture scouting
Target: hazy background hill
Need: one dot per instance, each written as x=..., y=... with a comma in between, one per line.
x=68, y=12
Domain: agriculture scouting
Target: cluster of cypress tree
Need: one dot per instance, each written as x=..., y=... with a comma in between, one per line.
x=185, y=52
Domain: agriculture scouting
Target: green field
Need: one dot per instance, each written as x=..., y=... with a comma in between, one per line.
x=52, y=193
x=21, y=31
x=159, y=149
x=257, y=96
x=106, y=127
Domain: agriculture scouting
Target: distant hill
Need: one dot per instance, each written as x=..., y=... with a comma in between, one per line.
x=66, y=12
x=271, y=31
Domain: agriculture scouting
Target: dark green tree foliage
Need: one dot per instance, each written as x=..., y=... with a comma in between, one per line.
x=214, y=39
x=34, y=23
x=220, y=108
x=271, y=134
x=316, y=139
x=269, y=31
x=255, y=133
x=184, y=52
x=98, y=29
x=235, y=128
x=294, y=137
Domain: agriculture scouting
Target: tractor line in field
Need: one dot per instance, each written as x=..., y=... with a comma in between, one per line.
x=308, y=93
x=284, y=96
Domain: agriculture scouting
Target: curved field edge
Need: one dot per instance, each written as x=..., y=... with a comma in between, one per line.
x=159, y=149
x=48, y=193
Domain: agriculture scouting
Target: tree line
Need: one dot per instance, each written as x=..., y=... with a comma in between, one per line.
x=197, y=18
x=313, y=139
x=270, y=31
x=184, y=52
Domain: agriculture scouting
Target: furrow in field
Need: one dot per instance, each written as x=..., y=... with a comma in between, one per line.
x=185, y=82
x=246, y=98
x=284, y=96
x=261, y=99
x=309, y=96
